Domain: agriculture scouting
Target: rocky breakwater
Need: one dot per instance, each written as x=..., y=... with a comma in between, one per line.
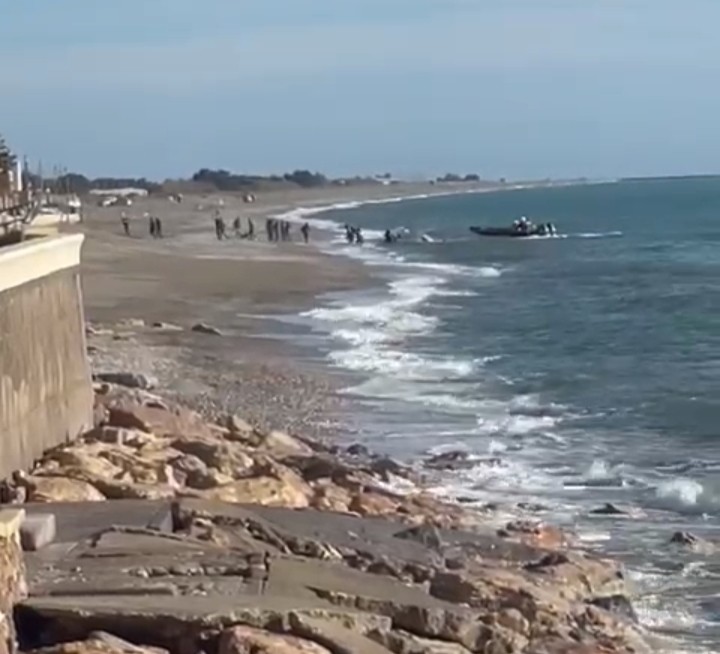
x=283, y=544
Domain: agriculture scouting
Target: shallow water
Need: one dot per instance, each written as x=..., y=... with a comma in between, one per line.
x=588, y=363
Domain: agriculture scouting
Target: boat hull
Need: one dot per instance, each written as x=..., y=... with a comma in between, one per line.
x=508, y=232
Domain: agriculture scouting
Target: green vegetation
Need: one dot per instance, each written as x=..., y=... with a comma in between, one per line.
x=452, y=177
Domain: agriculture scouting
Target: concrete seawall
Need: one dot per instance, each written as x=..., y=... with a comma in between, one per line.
x=45, y=386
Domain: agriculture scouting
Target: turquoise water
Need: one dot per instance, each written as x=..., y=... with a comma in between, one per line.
x=587, y=365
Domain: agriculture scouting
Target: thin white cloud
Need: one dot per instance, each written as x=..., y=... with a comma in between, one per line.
x=552, y=34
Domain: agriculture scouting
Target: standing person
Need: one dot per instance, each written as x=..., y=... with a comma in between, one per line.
x=236, y=227
x=359, y=238
x=151, y=224
x=268, y=229
x=219, y=227
x=158, y=227
x=349, y=234
x=251, y=229
x=125, y=223
x=305, y=230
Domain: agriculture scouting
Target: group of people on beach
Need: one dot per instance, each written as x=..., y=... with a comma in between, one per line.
x=154, y=225
x=221, y=228
x=279, y=230
x=354, y=235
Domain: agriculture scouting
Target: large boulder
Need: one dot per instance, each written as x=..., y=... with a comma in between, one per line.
x=77, y=462
x=60, y=489
x=373, y=504
x=228, y=458
x=693, y=543
x=99, y=643
x=264, y=490
x=119, y=436
x=280, y=444
x=143, y=411
x=330, y=497
x=194, y=473
x=248, y=640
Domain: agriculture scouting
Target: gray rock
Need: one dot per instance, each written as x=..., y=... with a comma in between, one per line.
x=37, y=530
x=358, y=449
x=608, y=509
x=129, y=379
x=202, y=328
x=617, y=604
x=692, y=542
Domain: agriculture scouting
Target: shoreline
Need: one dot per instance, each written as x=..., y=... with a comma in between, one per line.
x=246, y=337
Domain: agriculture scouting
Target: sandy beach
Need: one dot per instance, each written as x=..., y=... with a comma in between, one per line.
x=190, y=277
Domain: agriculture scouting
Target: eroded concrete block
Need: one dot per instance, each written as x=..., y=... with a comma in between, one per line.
x=37, y=531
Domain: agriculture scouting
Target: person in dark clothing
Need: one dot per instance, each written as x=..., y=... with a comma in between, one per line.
x=267, y=560
x=219, y=227
x=158, y=227
x=359, y=238
x=349, y=234
x=305, y=231
x=125, y=223
x=236, y=227
x=251, y=229
x=151, y=225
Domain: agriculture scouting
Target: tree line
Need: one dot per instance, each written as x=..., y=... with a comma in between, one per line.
x=205, y=179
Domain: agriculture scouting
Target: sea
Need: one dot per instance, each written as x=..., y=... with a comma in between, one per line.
x=574, y=370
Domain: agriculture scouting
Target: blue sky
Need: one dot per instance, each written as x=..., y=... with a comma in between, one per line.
x=515, y=88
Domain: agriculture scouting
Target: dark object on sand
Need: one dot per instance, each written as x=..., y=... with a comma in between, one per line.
x=608, y=509
x=202, y=328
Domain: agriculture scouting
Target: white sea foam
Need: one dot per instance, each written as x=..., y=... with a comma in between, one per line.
x=514, y=425
x=597, y=235
x=401, y=365
x=602, y=474
x=687, y=496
